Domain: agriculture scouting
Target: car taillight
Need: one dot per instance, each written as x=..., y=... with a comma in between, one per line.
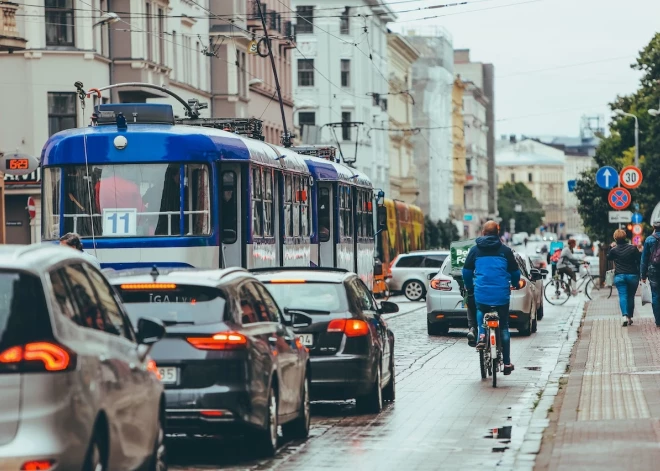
x=220, y=341
x=442, y=285
x=38, y=465
x=50, y=356
x=521, y=284
x=153, y=368
x=350, y=327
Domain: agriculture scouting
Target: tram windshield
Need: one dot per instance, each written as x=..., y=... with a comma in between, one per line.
x=127, y=200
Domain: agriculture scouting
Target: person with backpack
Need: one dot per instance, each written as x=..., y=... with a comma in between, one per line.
x=626, y=273
x=650, y=267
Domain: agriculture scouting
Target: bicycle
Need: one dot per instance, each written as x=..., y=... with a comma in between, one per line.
x=381, y=290
x=557, y=291
x=490, y=357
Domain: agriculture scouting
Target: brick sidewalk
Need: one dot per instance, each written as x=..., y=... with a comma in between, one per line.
x=609, y=416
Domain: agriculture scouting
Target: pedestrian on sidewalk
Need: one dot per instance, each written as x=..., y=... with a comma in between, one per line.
x=626, y=260
x=650, y=267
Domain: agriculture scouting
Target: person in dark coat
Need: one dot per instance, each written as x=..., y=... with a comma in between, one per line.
x=626, y=258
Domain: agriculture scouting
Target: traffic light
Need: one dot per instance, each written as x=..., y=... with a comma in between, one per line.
x=630, y=227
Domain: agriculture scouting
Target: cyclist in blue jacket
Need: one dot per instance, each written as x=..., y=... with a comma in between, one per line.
x=490, y=270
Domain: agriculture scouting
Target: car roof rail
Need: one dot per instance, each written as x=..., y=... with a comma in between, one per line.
x=31, y=248
x=332, y=269
x=231, y=270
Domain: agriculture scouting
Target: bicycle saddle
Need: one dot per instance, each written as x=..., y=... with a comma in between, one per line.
x=491, y=316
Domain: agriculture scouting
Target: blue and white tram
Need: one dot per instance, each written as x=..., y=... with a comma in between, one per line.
x=152, y=192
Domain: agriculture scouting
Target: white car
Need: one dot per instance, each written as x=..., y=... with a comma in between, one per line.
x=410, y=272
x=550, y=236
x=523, y=306
x=444, y=302
x=579, y=253
x=533, y=275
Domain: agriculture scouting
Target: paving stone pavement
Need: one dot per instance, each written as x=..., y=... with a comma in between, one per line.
x=609, y=416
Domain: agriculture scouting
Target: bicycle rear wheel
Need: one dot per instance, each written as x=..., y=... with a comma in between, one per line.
x=482, y=364
x=495, y=372
x=556, y=292
x=589, y=287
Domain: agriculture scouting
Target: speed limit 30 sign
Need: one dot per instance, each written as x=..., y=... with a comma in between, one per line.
x=630, y=177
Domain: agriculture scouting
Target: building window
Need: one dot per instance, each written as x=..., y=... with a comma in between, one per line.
x=61, y=111
x=59, y=23
x=149, y=31
x=529, y=177
x=344, y=21
x=345, y=73
x=242, y=81
x=306, y=118
x=345, y=129
x=161, y=36
x=513, y=178
x=305, y=20
x=305, y=72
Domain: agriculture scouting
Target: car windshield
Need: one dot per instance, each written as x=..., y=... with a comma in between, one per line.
x=183, y=304
x=321, y=297
x=127, y=200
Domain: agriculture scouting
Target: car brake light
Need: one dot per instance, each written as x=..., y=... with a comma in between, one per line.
x=287, y=282
x=52, y=356
x=153, y=368
x=350, y=327
x=148, y=286
x=442, y=285
x=221, y=341
x=37, y=465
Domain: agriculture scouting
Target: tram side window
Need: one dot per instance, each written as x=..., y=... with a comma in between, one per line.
x=346, y=213
x=304, y=208
x=288, y=206
x=370, y=214
x=358, y=213
x=229, y=208
x=51, y=203
x=296, y=205
x=268, y=202
x=257, y=203
x=198, y=203
x=324, y=215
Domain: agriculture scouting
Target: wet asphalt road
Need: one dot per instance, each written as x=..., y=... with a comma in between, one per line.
x=442, y=418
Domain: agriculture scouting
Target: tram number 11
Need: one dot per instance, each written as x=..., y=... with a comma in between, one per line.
x=119, y=222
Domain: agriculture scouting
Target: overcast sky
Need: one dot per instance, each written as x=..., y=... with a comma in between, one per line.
x=602, y=36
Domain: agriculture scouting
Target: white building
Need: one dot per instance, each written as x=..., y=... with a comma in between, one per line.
x=335, y=80
x=158, y=43
x=433, y=81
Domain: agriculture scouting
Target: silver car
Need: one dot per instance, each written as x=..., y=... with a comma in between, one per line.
x=536, y=275
x=409, y=272
x=523, y=305
x=444, y=303
x=78, y=388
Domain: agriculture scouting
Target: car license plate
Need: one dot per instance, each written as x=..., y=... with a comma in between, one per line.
x=307, y=339
x=169, y=375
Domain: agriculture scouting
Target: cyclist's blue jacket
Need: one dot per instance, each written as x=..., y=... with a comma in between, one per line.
x=490, y=269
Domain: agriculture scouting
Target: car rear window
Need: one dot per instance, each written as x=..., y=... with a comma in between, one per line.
x=434, y=261
x=23, y=310
x=446, y=267
x=182, y=304
x=321, y=298
x=411, y=261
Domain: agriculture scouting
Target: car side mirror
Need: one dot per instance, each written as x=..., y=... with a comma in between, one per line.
x=388, y=307
x=149, y=331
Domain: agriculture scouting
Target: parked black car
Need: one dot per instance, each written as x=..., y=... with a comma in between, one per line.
x=229, y=362
x=337, y=318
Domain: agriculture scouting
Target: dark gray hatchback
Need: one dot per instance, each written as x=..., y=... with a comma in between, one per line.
x=335, y=316
x=228, y=361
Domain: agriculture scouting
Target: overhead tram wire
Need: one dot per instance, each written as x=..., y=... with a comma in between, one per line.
x=469, y=11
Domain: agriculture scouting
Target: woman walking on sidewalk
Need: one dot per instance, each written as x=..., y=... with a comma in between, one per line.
x=626, y=258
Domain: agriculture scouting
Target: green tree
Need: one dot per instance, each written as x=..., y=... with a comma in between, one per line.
x=431, y=234
x=527, y=220
x=617, y=149
x=439, y=234
x=448, y=233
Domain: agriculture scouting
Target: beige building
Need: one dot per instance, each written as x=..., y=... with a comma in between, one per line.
x=541, y=169
x=403, y=179
x=458, y=138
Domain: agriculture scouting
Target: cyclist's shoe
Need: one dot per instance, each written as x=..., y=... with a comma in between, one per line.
x=508, y=369
x=481, y=345
x=472, y=337
x=630, y=320
x=625, y=322
x=574, y=292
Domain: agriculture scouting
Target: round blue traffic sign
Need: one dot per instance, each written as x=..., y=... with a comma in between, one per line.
x=637, y=218
x=619, y=198
x=607, y=177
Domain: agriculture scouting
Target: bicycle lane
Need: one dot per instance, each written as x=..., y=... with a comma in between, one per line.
x=444, y=413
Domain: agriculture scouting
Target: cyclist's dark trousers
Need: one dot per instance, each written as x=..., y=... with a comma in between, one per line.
x=471, y=312
x=654, y=280
x=568, y=271
x=505, y=336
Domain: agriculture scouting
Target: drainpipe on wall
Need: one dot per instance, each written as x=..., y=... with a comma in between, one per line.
x=111, y=68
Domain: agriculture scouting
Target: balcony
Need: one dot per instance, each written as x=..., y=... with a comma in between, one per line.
x=10, y=41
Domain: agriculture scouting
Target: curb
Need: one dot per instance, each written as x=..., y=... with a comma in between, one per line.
x=538, y=422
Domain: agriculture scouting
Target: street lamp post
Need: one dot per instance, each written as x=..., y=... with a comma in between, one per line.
x=623, y=113
x=108, y=19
